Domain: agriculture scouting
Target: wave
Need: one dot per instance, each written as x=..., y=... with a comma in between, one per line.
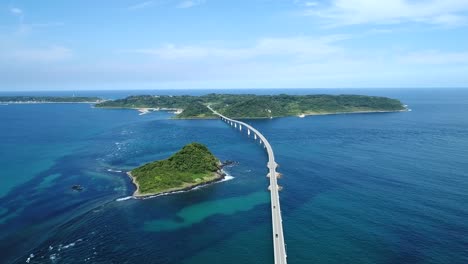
x=67, y=246
x=29, y=258
x=227, y=177
x=111, y=170
x=164, y=194
x=124, y=198
x=55, y=254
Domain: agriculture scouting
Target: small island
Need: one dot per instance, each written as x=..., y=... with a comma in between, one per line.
x=258, y=106
x=192, y=166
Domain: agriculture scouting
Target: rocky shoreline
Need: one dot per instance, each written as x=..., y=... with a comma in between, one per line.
x=218, y=176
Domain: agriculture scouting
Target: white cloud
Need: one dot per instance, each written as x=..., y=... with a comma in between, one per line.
x=46, y=54
x=267, y=48
x=435, y=57
x=198, y=67
x=351, y=12
x=141, y=5
x=16, y=11
x=190, y=3
x=46, y=25
x=309, y=4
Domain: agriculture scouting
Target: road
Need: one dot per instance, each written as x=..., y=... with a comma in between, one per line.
x=279, y=247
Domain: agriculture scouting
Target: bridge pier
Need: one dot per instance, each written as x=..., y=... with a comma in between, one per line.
x=279, y=247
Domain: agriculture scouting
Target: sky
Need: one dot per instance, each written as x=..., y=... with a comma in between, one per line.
x=185, y=44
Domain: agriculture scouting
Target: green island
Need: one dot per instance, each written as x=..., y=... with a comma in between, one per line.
x=258, y=106
x=193, y=165
x=49, y=99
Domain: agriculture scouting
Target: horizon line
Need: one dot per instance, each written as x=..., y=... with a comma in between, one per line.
x=276, y=88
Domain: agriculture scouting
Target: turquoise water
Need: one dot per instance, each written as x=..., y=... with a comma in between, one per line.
x=360, y=188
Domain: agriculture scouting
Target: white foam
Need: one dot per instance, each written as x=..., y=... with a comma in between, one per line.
x=53, y=258
x=111, y=170
x=29, y=258
x=163, y=194
x=227, y=177
x=69, y=245
x=124, y=198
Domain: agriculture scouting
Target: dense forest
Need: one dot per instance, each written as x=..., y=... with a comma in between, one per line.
x=260, y=106
x=193, y=164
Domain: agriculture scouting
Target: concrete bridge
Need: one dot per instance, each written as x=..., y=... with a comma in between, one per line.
x=278, y=238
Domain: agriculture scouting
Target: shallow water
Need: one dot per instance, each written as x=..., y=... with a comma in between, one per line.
x=361, y=188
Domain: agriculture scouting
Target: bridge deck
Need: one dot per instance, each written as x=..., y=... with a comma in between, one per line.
x=278, y=238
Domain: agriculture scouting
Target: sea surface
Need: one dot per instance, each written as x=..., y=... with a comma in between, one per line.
x=357, y=188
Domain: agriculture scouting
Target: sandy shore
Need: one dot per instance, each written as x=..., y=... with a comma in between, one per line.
x=146, y=110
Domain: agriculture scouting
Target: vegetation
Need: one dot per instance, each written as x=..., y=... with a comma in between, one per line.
x=150, y=101
x=194, y=164
x=196, y=110
x=260, y=106
x=49, y=99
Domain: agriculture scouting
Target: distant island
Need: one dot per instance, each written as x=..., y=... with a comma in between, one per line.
x=49, y=99
x=257, y=106
x=192, y=166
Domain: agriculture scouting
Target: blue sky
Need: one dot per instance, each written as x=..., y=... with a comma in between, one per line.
x=138, y=44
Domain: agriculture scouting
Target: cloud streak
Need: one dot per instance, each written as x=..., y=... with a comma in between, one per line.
x=355, y=12
x=141, y=5
x=190, y=3
x=435, y=57
x=38, y=55
x=16, y=11
x=266, y=48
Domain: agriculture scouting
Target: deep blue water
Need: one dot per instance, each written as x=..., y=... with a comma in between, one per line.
x=358, y=188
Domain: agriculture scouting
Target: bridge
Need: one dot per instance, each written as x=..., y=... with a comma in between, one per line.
x=278, y=238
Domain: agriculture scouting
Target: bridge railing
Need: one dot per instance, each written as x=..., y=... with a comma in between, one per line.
x=278, y=237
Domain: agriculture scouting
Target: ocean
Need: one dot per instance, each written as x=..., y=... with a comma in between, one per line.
x=357, y=188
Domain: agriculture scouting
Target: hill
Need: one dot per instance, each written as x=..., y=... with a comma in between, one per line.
x=193, y=165
x=260, y=106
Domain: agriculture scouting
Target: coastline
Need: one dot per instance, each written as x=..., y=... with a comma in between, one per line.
x=143, y=110
x=217, y=176
x=324, y=113
x=25, y=102
x=358, y=112
x=146, y=110
x=194, y=118
x=175, y=111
